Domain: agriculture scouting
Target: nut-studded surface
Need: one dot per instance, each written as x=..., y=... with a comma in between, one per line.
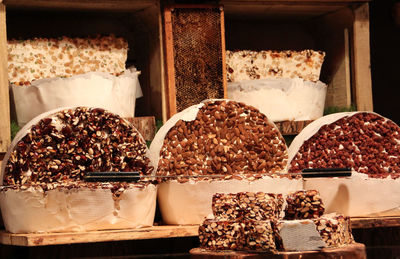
x=226, y=138
x=304, y=205
x=34, y=59
x=334, y=229
x=237, y=235
x=221, y=235
x=260, y=205
x=366, y=142
x=225, y=206
x=250, y=65
x=247, y=206
x=259, y=236
x=61, y=148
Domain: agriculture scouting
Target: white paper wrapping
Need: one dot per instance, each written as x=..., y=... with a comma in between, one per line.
x=300, y=235
x=189, y=203
x=282, y=99
x=354, y=196
x=29, y=211
x=95, y=89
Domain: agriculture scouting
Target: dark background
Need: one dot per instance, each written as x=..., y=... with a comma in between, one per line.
x=385, y=57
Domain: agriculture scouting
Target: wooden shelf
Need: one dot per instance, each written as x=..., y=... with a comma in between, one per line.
x=43, y=239
x=378, y=222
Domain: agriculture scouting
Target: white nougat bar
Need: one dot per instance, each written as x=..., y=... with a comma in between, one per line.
x=249, y=65
x=39, y=58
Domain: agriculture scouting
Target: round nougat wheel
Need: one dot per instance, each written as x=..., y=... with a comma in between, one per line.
x=217, y=146
x=367, y=143
x=43, y=173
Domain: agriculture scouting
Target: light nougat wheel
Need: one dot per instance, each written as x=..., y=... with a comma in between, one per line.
x=217, y=137
x=42, y=174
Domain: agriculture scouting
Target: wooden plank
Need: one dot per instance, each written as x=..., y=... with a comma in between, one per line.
x=378, y=222
x=145, y=125
x=339, y=89
x=331, y=34
x=291, y=127
x=43, y=239
x=147, y=34
x=170, y=93
x=353, y=251
x=285, y=12
x=5, y=135
x=362, y=85
x=119, y=5
x=223, y=49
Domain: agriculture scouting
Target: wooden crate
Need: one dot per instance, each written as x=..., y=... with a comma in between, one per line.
x=137, y=21
x=340, y=28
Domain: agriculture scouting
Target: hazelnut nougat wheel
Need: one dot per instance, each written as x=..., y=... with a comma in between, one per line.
x=221, y=138
x=44, y=168
x=364, y=141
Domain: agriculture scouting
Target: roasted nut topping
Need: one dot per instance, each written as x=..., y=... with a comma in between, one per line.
x=60, y=149
x=226, y=138
x=334, y=230
x=365, y=142
x=247, y=205
x=304, y=205
x=237, y=235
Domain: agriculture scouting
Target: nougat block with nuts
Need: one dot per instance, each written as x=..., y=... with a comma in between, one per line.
x=247, y=205
x=39, y=58
x=221, y=235
x=304, y=205
x=334, y=229
x=226, y=206
x=260, y=205
x=259, y=235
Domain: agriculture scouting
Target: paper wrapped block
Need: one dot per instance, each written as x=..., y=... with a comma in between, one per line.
x=363, y=141
x=43, y=174
x=95, y=89
x=38, y=58
x=281, y=99
x=232, y=143
x=249, y=65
